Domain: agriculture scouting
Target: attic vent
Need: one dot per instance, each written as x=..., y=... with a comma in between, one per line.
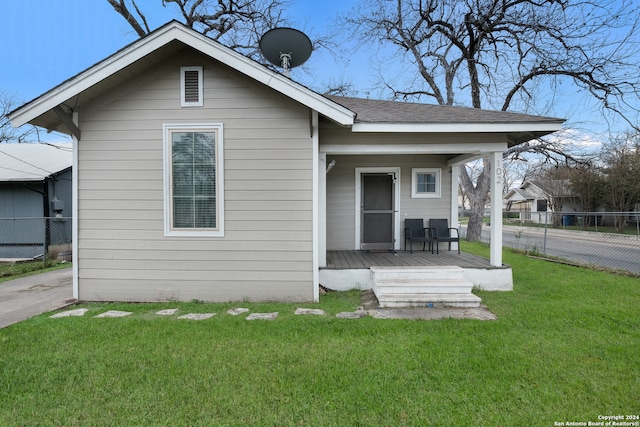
x=191, y=86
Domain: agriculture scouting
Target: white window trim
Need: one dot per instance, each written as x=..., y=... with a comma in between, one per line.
x=414, y=183
x=200, y=101
x=167, y=129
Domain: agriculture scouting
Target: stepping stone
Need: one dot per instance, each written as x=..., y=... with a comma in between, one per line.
x=197, y=316
x=76, y=312
x=167, y=312
x=352, y=314
x=236, y=311
x=114, y=313
x=315, y=311
x=262, y=316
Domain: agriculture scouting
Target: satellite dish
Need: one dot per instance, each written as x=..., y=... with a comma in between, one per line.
x=286, y=47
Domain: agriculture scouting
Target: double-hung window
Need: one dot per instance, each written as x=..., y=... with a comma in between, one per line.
x=193, y=180
x=425, y=182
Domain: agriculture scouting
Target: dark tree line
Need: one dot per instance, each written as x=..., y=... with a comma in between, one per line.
x=611, y=180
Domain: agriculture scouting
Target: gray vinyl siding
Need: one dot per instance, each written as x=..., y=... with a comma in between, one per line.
x=341, y=209
x=266, y=252
x=341, y=187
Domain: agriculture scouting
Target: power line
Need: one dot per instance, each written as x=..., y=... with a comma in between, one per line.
x=66, y=149
x=26, y=163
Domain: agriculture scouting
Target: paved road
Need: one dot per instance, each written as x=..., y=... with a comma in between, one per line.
x=607, y=250
x=23, y=298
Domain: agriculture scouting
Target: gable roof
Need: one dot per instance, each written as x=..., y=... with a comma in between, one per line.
x=517, y=194
x=53, y=109
x=33, y=162
x=152, y=49
x=552, y=187
x=537, y=189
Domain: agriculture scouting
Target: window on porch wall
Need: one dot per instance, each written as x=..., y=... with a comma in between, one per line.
x=425, y=182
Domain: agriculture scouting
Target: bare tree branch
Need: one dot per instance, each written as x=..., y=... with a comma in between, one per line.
x=7, y=132
x=238, y=24
x=499, y=52
x=120, y=7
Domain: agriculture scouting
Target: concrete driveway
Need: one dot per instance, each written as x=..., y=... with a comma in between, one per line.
x=29, y=296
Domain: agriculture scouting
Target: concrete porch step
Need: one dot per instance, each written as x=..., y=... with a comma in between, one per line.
x=417, y=273
x=437, y=286
x=465, y=300
x=430, y=286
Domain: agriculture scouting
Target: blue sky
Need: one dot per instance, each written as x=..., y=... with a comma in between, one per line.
x=49, y=41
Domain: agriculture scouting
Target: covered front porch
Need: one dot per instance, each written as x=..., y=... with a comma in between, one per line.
x=398, y=278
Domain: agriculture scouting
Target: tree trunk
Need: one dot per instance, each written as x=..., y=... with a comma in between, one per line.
x=478, y=196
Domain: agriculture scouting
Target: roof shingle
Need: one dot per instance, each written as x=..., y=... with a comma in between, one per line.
x=379, y=111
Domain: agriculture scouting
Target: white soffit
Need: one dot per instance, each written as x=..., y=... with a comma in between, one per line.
x=457, y=127
x=439, y=148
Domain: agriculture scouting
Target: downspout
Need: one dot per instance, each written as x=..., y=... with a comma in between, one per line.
x=45, y=213
x=74, y=219
x=315, y=162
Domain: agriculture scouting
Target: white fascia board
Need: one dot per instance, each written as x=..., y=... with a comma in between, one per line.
x=269, y=78
x=90, y=77
x=163, y=36
x=351, y=149
x=274, y=80
x=457, y=127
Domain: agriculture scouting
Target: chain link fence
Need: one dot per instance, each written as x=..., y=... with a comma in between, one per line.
x=23, y=239
x=604, y=239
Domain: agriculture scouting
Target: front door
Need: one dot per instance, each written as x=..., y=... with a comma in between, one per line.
x=377, y=211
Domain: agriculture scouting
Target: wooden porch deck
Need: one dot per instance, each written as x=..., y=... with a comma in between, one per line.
x=359, y=260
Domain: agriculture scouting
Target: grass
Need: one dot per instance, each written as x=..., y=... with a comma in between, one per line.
x=10, y=271
x=565, y=347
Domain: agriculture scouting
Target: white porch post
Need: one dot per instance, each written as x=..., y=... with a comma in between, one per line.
x=317, y=173
x=495, y=258
x=322, y=210
x=455, y=172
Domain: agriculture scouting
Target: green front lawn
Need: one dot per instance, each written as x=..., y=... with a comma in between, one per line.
x=565, y=347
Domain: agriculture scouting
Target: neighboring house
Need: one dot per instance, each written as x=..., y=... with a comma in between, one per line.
x=201, y=174
x=35, y=183
x=535, y=200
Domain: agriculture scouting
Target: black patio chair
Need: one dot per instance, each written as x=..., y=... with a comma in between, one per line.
x=415, y=231
x=444, y=233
